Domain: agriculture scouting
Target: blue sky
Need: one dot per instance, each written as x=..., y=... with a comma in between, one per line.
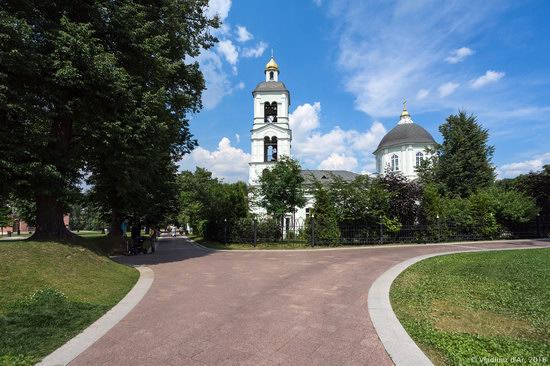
x=349, y=65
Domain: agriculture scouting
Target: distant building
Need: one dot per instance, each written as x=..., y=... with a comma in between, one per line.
x=19, y=225
x=403, y=148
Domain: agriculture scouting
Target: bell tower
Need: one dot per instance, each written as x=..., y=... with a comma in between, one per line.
x=270, y=135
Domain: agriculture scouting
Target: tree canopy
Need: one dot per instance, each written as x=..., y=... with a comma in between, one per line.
x=101, y=88
x=281, y=188
x=462, y=163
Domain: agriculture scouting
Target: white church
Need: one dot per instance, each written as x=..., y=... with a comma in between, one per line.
x=401, y=149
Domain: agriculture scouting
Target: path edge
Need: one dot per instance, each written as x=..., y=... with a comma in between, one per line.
x=364, y=247
x=398, y=344
x=78, y=344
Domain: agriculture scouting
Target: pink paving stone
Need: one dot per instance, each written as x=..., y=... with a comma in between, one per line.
x=267, y=308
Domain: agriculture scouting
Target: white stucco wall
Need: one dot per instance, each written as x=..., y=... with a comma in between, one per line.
x=262, y=129
x=407, y=158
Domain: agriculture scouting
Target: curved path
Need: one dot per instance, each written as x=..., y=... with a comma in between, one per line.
x=258, y=307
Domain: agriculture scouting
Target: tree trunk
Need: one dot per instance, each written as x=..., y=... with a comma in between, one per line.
x=116, y=222
x=49, y=219
x=49, y=211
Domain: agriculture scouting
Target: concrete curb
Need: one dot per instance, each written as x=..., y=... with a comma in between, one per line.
x=74, y=347
x=397, y=342
x=363, y=247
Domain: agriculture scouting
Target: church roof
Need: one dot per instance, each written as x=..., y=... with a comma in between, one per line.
x=326, y=176
x=270, y=86
x=406, y=133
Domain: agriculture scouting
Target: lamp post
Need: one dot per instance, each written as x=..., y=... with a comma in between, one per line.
x=438, y=229
x=225, y=231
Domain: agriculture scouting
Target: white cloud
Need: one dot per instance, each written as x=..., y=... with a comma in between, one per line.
x=255, y=51
x=490, y=77
x=338, y=162
x=218, y=83
x=219, y=8
x=447, y=89
x=317, y=149
x=304, y=119
x=422, y=93
x=229, y=51
x=227, y=162
x=387, y=58
x=243, y=34
x=514, y=169
x=237, y=138
x=459, y=55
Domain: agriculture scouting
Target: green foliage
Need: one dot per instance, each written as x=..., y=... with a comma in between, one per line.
x=404, y=197
x=362, y=199
x=534, y=184
x=507, y=206
x=6, y=218
x=327, y=231
x=462, y=164
x=462, y=306
x=206, y=202
x=281, y=188
x=99, y=88
x=30, y=323
x=35, y=319
x=85, y=215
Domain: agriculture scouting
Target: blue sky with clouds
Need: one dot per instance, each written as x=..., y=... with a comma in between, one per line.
x=349, y=65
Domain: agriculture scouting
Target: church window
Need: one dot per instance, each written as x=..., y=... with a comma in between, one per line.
x=419, y=158
x=271, y=75
x=270, y=112
x=270, y=149
x=394, y=163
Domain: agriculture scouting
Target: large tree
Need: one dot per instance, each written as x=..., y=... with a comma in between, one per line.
x=462, y=163
x=281, y=188
x=97, y=86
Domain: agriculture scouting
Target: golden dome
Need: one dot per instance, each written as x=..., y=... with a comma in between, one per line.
x=271, y=65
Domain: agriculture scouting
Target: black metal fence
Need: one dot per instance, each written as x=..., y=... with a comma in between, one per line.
x=314, y=232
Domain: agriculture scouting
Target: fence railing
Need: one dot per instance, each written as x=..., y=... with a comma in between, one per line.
x=314, y=232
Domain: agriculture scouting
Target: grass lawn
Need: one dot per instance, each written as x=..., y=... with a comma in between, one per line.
x=218, y=245
x=51, y=291
x=478, y=308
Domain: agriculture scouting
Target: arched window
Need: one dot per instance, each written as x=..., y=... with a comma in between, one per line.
x=270, y=148
x=394, y=163
x=271, y=75
x=270, y=112
x=419, y=158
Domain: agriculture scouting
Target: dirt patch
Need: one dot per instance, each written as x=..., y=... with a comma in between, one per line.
x=454, y=318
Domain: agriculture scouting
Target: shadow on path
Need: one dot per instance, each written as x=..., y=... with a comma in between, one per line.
x=168, y=250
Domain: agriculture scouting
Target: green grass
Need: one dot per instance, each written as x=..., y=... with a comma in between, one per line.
x=51, y=291
x=476, y=308
x=241, y=246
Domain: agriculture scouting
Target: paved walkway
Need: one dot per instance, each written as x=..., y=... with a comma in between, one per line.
x=256, y=308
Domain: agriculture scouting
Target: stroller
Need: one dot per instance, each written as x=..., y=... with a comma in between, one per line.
x=137, y=246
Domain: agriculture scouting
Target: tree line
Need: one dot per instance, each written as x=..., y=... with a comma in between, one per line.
x=456, y=185
x=99, y=93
